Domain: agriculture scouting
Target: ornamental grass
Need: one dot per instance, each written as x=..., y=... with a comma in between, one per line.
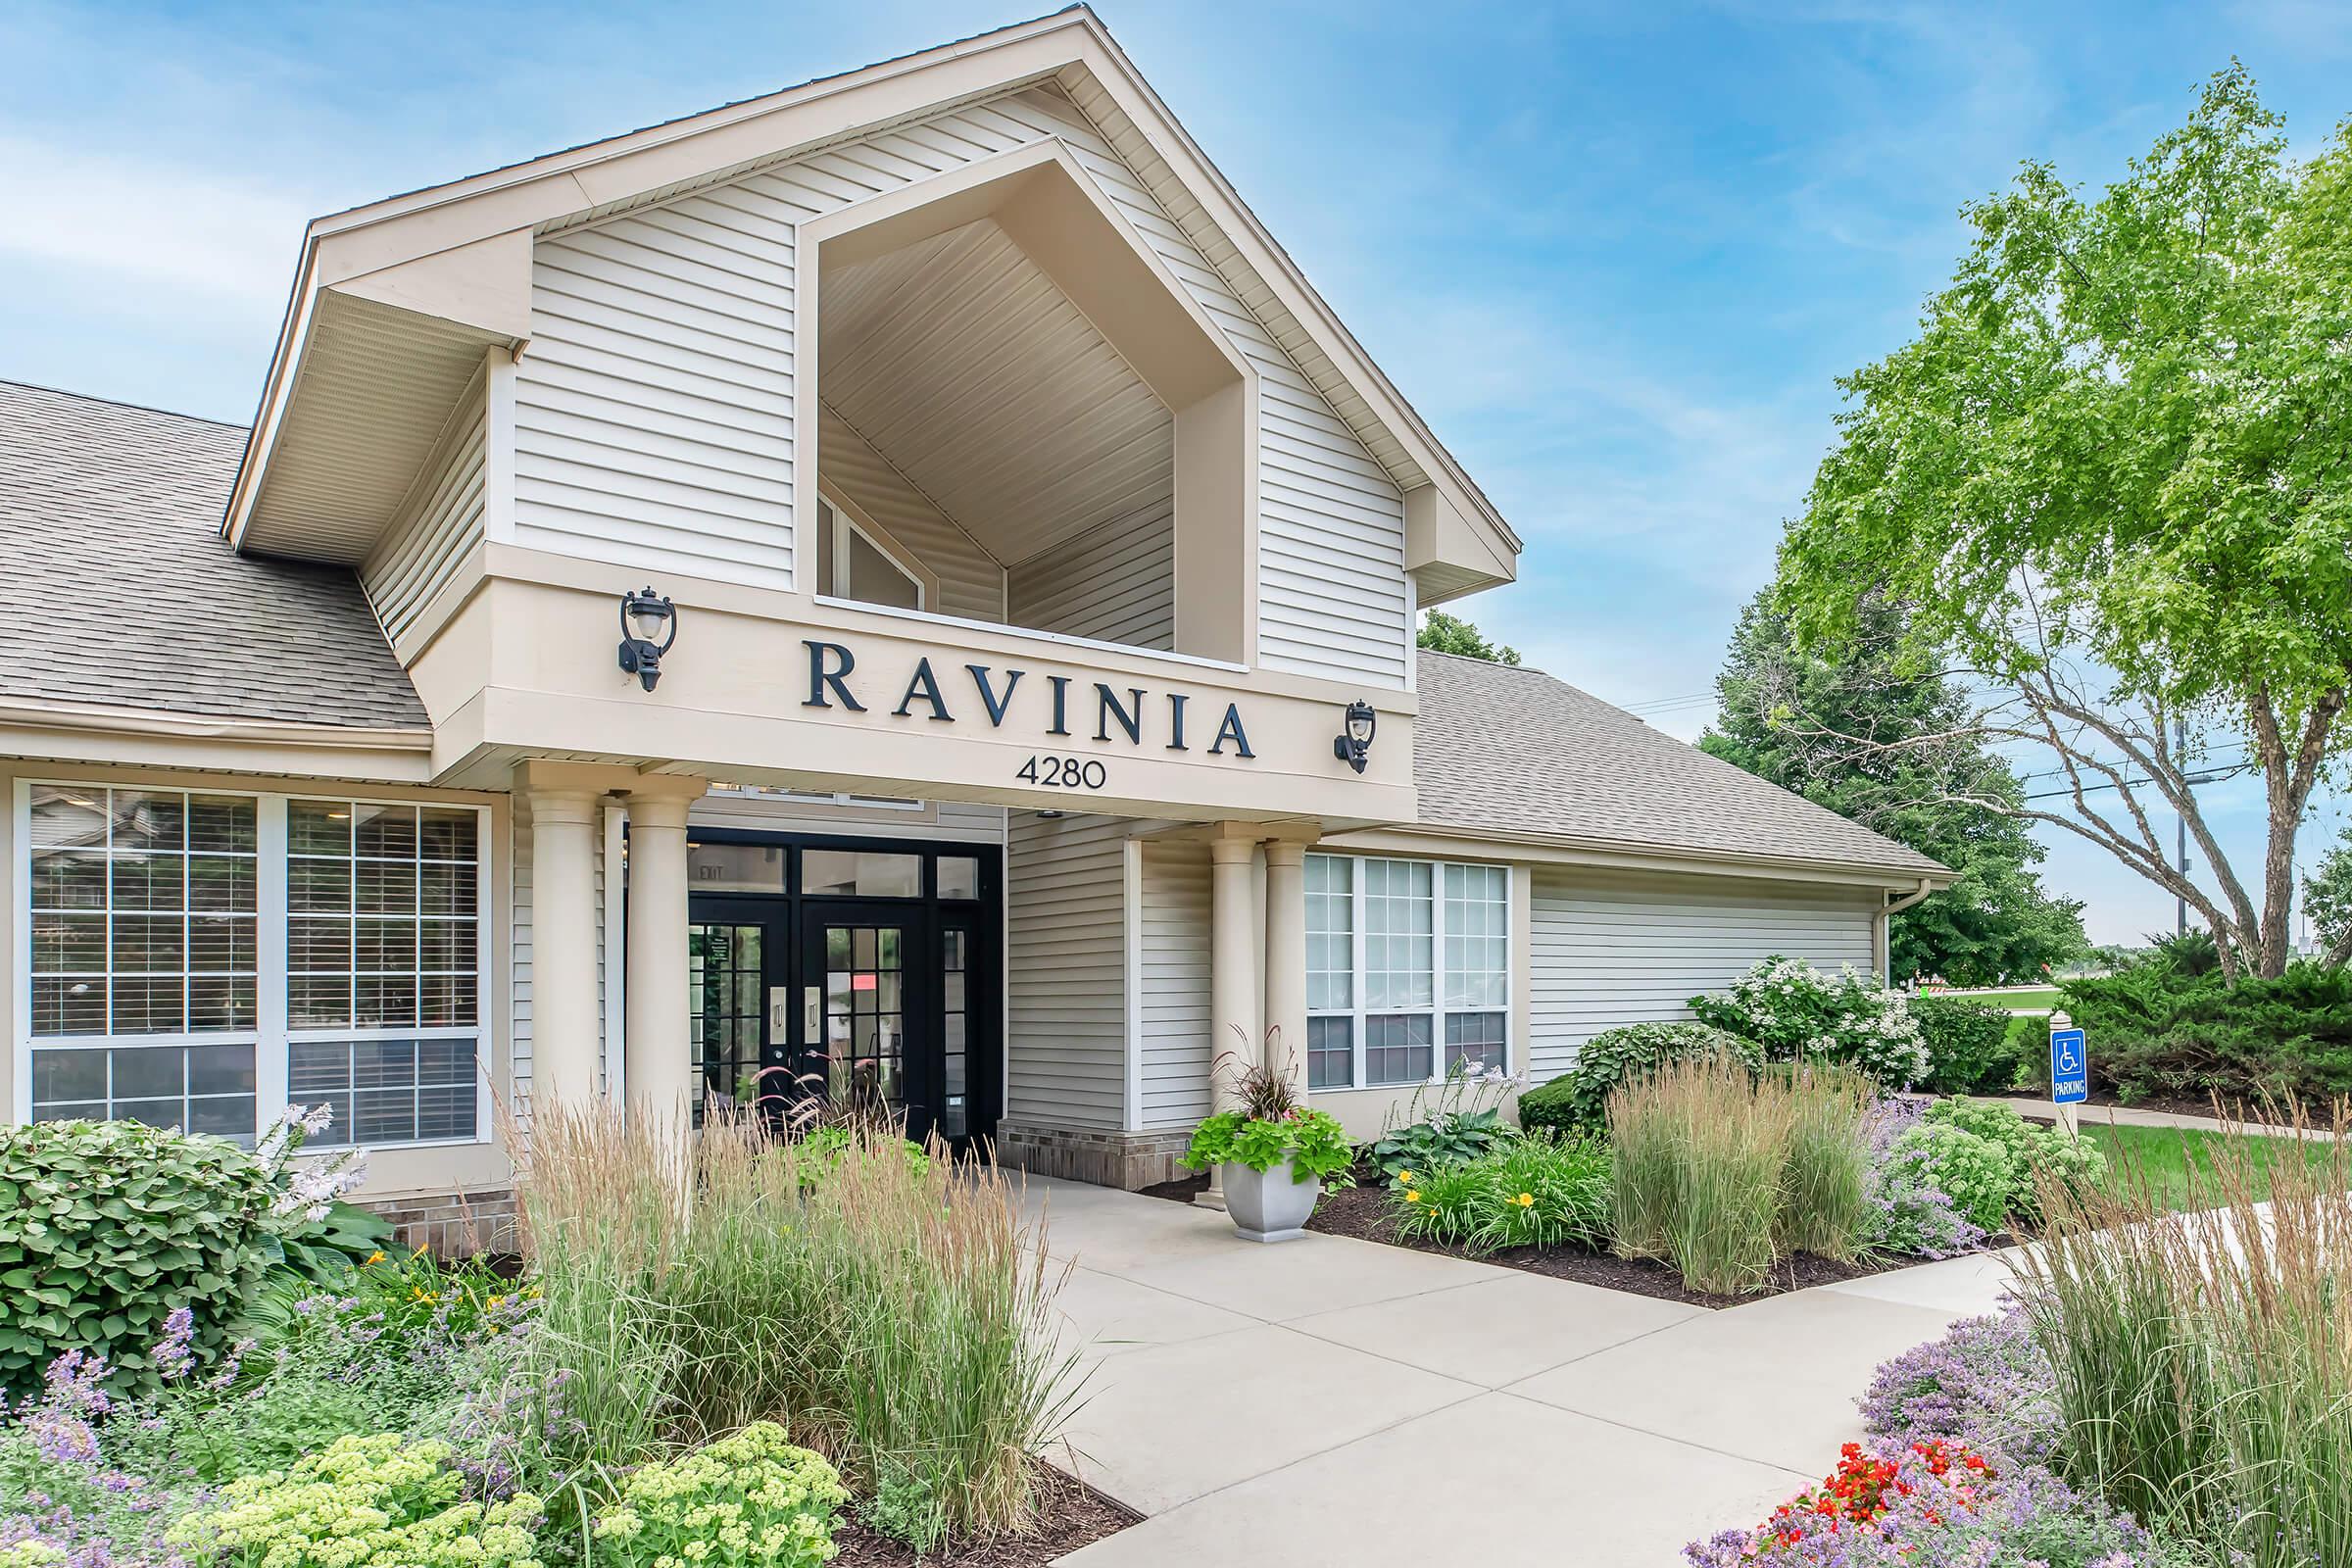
x=1721, y=1172
x=892, y=1313
x=2203, y=1360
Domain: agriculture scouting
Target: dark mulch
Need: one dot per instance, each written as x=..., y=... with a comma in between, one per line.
x=1361, y=1211
x=1073, y=1515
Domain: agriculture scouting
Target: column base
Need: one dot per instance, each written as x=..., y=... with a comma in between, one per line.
x=1121, y=1160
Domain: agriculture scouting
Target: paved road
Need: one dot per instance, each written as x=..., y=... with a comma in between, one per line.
x=1335, y=1402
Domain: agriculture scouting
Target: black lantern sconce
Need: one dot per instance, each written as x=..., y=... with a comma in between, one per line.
x=1354, y=745
x=649, y=624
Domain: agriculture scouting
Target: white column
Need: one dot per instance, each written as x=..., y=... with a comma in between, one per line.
x=564, y=921
x=1233, y=1029
x=1286, y=961
x=657, y=1053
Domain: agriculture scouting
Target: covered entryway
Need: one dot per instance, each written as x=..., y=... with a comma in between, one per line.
x=863, y=972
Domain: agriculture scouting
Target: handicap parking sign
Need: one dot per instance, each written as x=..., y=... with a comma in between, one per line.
x=2070, y=1067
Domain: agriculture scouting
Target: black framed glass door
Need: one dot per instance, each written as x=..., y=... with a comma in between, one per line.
x=870, y=975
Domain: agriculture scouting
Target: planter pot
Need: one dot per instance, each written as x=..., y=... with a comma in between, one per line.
x=1266, y=1205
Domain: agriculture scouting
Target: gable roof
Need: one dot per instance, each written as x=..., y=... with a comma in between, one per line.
x=109, y=525
x=1508, y=750
x=447, y=255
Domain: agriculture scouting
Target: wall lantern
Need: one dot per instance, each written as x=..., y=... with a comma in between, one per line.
x=1354, y=745
x=649, y=624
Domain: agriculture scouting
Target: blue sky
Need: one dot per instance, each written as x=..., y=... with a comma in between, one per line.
x=1615, y=253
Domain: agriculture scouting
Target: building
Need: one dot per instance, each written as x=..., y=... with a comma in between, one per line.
x=897, y=583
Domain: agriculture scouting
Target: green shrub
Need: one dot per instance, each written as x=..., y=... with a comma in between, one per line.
x=1797, y=1014
x=1537, y=1190
x=2156, y=1030
x=1968, y=1045
x=376, y=1501
x=751, y=1499
x=1577, y=1100
x=1825, y=1186
x=105, y=1227
x=2036, y=1152
x=1977, y=1173
x=1312, y=1141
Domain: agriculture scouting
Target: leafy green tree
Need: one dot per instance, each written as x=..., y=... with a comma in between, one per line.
x=2327, y=899
x=1451, y=634
x=2112, y=480
x=1784, y=715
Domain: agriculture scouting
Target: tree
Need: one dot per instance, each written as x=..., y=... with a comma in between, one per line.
x=1451, y=634
x=2327, y=899
x=1997, y=923
x=2112, y=481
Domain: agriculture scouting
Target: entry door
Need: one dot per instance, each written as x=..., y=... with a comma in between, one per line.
x=739, y=984
x=868, y=1008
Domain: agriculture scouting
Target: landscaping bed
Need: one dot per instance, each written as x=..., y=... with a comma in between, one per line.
x=1071, y=1514
x=1361, y=1211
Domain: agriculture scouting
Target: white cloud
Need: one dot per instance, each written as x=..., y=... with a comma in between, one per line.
x=150, y=222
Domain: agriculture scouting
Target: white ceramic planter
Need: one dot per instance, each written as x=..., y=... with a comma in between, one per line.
x=1267, y=1205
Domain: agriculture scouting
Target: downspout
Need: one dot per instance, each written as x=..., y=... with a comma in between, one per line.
x=1885, y=932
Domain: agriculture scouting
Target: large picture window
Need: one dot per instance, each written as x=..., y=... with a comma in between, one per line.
x=200, y=960
x=1409, y=971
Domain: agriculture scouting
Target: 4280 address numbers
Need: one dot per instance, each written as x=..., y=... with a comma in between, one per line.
x=1063, y=773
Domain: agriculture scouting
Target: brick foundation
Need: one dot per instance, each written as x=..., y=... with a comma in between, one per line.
x=1126, y=1161
x=451, y=1225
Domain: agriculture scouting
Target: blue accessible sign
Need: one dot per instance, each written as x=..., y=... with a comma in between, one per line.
x=2070, y=1067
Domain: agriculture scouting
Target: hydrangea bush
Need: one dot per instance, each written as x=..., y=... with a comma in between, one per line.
x=1794, y=1012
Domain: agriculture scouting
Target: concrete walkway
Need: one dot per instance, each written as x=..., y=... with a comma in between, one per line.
x=2134, y=1116
x=1335, y=1402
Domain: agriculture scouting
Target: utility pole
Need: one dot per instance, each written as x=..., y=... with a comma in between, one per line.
x=2180, y=830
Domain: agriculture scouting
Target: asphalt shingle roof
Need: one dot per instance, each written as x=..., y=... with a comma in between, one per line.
x=1499, y=749
x=111, y=552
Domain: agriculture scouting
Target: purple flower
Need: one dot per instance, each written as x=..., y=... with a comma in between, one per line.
x=175, y=1355
x=1986, y=1384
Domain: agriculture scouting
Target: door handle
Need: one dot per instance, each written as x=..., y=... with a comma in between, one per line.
x=812, y=1017
x=780, y=1015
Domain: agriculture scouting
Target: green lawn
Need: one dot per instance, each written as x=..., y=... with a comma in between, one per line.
x=2013, y=997
x=2162, y=1158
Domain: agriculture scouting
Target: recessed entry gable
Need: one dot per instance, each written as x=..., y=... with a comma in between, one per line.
x=661, y=359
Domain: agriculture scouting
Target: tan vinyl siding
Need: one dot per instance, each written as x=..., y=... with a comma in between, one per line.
x=1065, y=971
x=439, y=523
x=1174, y=1016
x=971, y=582
x=1613, y=948
x=653, y=420
x=653, y=415
x=1332, y=592
x=1117, y=582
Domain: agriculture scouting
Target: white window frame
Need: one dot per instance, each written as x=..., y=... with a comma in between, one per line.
x=272, y=1039
x=847, y=519
x=1436, y=1013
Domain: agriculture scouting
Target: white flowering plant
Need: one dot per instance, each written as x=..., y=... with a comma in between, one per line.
x=1796, y=1014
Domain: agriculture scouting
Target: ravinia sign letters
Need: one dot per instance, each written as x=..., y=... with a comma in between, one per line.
x=1104, y=713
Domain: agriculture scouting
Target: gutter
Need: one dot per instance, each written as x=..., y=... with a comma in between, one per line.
x=1927, y=885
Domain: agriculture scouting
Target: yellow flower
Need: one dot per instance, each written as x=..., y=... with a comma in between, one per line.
x=1405, y=1176
x=497, y=1301
x=1412, y=1197
x=377, y=1257
x=1524, y=1200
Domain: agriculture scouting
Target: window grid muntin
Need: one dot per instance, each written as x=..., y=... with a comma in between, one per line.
x=1397, y=1037
x=365, y=921
x=269, y=1040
